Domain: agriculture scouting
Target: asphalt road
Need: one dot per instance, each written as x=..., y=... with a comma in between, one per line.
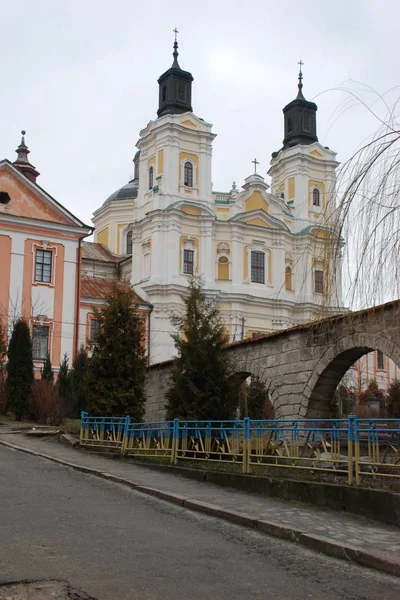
x=116, y=544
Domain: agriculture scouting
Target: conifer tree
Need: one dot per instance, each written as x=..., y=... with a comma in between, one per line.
x=64, y=381
x=47, y=371
x=254, y=399
x=393, y=399
x=117, y=368
x=19, y=370
x=202, y=386
x=3, y=354
x=78, y=384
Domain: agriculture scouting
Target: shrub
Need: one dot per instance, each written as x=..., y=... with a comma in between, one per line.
x=46, y=406
x=19, y=370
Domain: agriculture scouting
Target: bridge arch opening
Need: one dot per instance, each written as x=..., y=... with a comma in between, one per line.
x=353, y=380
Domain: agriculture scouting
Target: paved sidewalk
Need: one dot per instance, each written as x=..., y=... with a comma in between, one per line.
x=339, y=534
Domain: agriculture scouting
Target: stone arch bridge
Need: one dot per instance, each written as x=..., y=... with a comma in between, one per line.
x=301, y=366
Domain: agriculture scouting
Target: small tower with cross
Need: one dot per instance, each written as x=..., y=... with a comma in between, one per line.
x=175, y=87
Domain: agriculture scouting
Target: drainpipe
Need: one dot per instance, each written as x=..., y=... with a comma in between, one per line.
x=78, y=298
x=148, y=335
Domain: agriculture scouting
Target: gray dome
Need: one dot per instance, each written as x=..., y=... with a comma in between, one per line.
x=127, y=192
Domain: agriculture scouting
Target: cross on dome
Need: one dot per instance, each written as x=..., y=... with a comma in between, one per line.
x=255, y=163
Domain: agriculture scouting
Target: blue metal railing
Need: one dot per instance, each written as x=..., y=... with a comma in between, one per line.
x=353, y=446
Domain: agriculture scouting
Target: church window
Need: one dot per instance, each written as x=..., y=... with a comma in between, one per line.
x=188, y=262
x=318, y=281
x=289, y=125
x=94, y=330
x=188, y=174
x=288, y=278
x=380, y=359
x=316, y=197
x=223, y=268
x=257, y=267
x=40, y=342
x=129, y=242
x=306, y=123
x=164, y=93
x=181, y=92
x=282, y=195
x=151, y=178
x=43, y=264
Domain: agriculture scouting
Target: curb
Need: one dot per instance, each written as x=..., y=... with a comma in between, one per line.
x=379, y=562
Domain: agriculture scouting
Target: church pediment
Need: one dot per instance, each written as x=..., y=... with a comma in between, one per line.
x=28, y=200
x=261, y=219
x=193, y=209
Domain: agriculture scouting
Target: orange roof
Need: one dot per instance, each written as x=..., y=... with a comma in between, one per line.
x=98, y=288
x=96, y=251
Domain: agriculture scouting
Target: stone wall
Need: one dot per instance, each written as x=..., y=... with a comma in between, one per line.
x=302, y=366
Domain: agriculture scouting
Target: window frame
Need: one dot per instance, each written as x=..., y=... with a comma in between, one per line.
x=257, y=271
x=185, y=263
x=129, y=242
x=188, y=168
x=319, y=285
x=36, y=344
x=288, y=278
x=40, y=279
x=93, y=336
x=380, y=355
x=306, y=119
x=151, y=177
x=316, y=197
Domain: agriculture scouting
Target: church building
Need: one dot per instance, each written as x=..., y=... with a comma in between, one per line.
x=267, y=252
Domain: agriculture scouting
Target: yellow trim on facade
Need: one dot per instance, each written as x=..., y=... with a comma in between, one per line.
x=188, y=123
x=151, y=160
x=195, y=243
x=102, y=237
x=256, y=202
x=269, y=267
x=245, y=263
x=191, y=210
x=160, y=162
x=183, y=156
x=120, y=227
x=259, y=222
x=223, y=268
x=316, y=154
x=292, y=192
x=281, y=188
x=287, y=221
x=321, y=186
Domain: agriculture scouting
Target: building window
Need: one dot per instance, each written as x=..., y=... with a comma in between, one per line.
x=181, y=92
x=380, y=359
x=257, y=267
x=282, y=195
x=306, y=123
x=43, y=264
x=129, y=242
x=188, y=174
x=316, y=197
x=4, y=198
x=318, y=281
x=151, y=178
x=188, y=262
x=94, y=330
x=289, y=125
x=164, y=93
x=40, y=342
x=288, y=278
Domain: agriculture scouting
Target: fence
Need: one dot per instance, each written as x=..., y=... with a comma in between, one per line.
x=355, y=447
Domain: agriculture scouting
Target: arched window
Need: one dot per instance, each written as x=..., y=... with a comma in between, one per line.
x=316, y=197
x=282, y=195
x=188, y=174
x=223, y=268
x=288, y=278
x=151, y=178
x=129, y=242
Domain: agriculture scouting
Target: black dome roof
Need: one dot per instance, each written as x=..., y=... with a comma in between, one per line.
x=127, y=192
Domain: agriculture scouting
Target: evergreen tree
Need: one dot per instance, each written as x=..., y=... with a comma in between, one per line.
x=77, y=383
x=202, y=385
x=64, y=381
x=3, y=354
x=393, y=399
x=47, y=371
x=19, y=370
x=117, y=368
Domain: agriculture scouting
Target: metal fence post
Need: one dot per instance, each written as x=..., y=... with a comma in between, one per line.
x=246, y=445
x=126, y=434
x=83, y=427
x=350, y=448
x=175, y=442
x=357, y=449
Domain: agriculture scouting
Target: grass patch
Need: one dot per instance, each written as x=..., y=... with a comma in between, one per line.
x=71, y=426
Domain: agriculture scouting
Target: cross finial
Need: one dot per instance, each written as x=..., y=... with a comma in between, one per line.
x=175, y=52
x=300, y=84
x=255, y=163
x=176, y=34
x=301, y=64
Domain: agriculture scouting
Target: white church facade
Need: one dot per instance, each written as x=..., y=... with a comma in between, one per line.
x=264, y=251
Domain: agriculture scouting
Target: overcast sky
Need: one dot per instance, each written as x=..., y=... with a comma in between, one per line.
x=81, y=77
